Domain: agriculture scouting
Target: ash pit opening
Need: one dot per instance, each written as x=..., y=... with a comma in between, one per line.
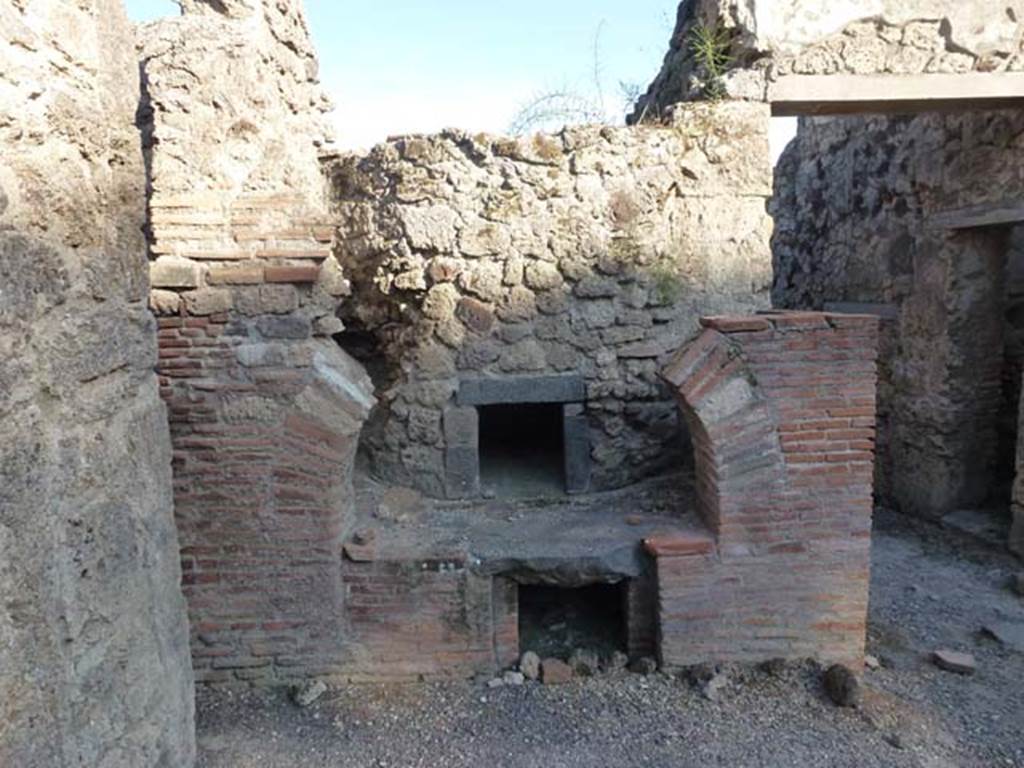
x=522, y=449
x=554, y=621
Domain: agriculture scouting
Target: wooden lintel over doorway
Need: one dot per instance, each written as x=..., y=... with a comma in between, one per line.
x=810, y=95
x=1006, y=213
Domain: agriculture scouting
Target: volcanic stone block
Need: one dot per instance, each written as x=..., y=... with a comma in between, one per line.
x=207, y=301
x=555, y=672
x=462, y=471
x=462, y=427
x=174, y=272
x=576, y=446
x=522, y=389
x=285, y=327
x=462, y=457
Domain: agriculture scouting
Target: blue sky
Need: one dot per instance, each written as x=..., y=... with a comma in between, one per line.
x=416, y=66
x=396, y=66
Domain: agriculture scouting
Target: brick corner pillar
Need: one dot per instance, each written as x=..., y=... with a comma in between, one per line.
x=781, y=408
x=264, y=434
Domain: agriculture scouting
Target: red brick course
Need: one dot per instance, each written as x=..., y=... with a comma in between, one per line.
x=414, y=619
x=261, y=503
x=781, y=409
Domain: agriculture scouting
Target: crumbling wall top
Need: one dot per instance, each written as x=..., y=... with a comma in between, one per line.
x=765, y=40
x=285, y=20
x=787, y=26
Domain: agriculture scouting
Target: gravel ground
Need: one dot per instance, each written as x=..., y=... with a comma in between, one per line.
x=928, y=591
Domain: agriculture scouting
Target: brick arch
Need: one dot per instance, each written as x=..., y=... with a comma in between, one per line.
x=739, y=463
x=782, y=411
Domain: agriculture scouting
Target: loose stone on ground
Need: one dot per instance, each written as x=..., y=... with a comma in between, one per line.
x=555, y=672
x=954, y=661
x=529, y=665
x=843, y=686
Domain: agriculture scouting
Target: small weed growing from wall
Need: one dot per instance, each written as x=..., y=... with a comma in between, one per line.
x=667, y=288
x=710, y=49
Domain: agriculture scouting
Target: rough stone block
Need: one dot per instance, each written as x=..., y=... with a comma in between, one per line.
x=555, y=672
x=332, y=278
x=174, y=272
x=328, y=325
x=596, y=287
x=285, y=327
x=477, y=315
x=207, y=301
x=542, y=276
x=524, y=355
x=164, y=302
x=955, y=661
x=278, y=299
x=440, y=301
x=483, y=238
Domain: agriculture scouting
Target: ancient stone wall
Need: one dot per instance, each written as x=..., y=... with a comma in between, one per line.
x=94, y=663
x=265, y=409
x=234, y=121
x=590, y=253
x=769, y=39
x=857, y=223
x=782, y=407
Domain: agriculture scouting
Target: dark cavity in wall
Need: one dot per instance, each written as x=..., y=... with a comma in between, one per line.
x=553, y=621
x=522, y=449
x=363, y=345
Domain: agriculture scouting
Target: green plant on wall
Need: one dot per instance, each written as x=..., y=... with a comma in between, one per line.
x=710, y=48
x=666, y=284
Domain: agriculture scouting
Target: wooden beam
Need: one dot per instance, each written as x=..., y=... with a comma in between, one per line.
x=796, y=95
x=1003, y=214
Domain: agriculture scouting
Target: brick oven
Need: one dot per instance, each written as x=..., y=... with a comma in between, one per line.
x=454, y=397
x=768, y=557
